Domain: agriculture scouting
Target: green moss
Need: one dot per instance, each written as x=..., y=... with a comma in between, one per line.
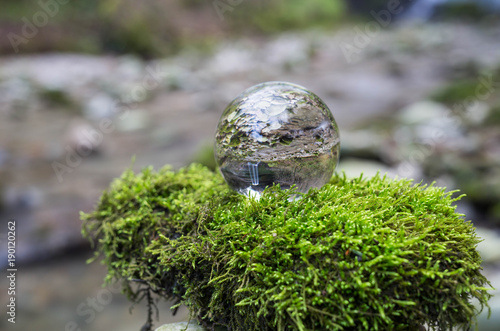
x=471, y=88
x=493, y=117
x=56, y=98
x=456, y=92
x=276, y=16
x=471, y=11
x=372, y=254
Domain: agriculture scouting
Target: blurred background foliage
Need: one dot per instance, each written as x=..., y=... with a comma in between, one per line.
x=157, y=28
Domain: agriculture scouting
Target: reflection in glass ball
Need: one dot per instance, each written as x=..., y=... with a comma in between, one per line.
x=276, y=133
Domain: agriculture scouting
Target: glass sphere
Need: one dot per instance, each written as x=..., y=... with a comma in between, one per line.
x=276, y=133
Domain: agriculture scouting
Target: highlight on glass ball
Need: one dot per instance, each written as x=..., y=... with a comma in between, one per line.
x=276, y=133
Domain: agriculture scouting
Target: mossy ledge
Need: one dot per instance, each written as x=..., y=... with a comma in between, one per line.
x=357, y=254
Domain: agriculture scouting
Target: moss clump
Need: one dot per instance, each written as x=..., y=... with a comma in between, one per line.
x=373, y=254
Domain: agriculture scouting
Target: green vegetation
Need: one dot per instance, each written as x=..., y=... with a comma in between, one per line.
x=56, y=98
x=493, y=118
x=470, y=11
x=456, y=92
x=277, y=16
x=152, y=28
x=476, y=87
x=372, y=254
x=474, y=171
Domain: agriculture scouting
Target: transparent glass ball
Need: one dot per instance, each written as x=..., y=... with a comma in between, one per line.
x=276, y=133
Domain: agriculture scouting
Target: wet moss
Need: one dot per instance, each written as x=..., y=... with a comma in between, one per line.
x=372, y=254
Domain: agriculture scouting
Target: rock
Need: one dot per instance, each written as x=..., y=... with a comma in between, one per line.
x=354, y=167
x=287, y=51
x=100, y=106
x=477, y=112
x=408, y=169
x=491, y=322
x=4, y=157
x=82, y=138
x=422, y=112
x=22, y=197
x=430, y=123
x=133, y=120
x=232, y=59
x=181, y=326
x=207, y=101
x=364, y=144
x=186, y=326
x=17, y=96
x=489, y=248
x=129, y=68
x=485, y=321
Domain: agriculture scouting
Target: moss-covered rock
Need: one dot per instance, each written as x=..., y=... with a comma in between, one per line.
x=372, y=254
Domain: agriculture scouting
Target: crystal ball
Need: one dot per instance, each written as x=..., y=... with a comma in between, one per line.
x=276, y=133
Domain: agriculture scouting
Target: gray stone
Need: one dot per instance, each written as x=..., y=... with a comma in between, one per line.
x=133, y=120
x=422, y=112
x=477, y=112
x=409, y=169
x=430, y=123
x=288, y=49
x=486, y=321
x=181, y=326
x=489, y=248
x=355, y=167
x=16, y=94
x=361, y=143
x=100, y=106
x=79, y=137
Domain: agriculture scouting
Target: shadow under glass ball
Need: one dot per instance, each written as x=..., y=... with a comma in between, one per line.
x=276, y=133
